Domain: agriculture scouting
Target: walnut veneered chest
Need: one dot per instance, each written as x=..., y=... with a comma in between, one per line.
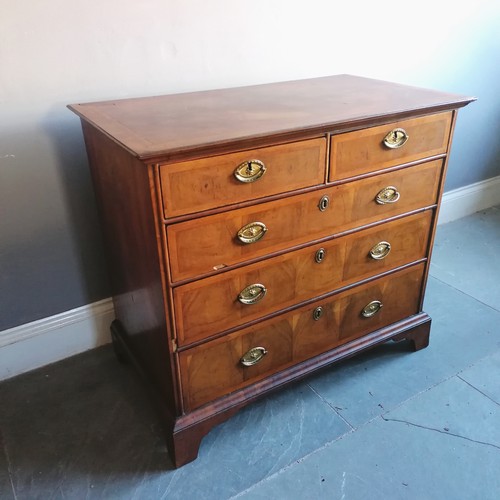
x=258, y=234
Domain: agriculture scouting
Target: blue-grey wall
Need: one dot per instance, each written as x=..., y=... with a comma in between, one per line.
x=55, y=53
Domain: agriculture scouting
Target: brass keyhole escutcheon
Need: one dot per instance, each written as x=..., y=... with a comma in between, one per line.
x=252, y=232
x=380, y=251
x=252, y=294
x=371, y=309
x=250, y=171
x=389, y=194
x=396, y=138
x=324, y=203
x=320, y=255
x=253, y=356
x=317, y=313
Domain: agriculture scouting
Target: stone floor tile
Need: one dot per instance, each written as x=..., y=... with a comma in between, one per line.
x=455, y=408
x=6, y=492
x=485, y=376
x=466, y=255
x=83, y=427
x=389, y=460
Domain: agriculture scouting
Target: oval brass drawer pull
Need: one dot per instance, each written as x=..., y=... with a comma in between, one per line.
x=371, y=309
x=324, y=203
x=389, y=194
x=252, y=232
x=250, y=171
x=396, y=138
x=253, y=356
x=381, y=250
x=252, y=294
x=317, y=313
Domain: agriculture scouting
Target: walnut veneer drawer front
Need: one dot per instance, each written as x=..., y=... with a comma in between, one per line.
x=214, y=369
x=199, y=246
x=197, y=185
x=376, y=148
x=211, y=305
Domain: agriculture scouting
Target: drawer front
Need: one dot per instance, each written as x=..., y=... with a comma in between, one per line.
x=359, y=152
x=214, y=369
x=211, y=305
x=197, y=185
x=210, y=243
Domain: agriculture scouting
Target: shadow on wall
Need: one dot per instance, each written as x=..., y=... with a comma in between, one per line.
x=51, y=250
x=83, y=224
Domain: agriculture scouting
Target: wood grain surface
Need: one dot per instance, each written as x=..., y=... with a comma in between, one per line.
x=199, y=246
x=192, y=124
x=362, y=151
x=209, y=306
x=214, y=369
x=197, y=185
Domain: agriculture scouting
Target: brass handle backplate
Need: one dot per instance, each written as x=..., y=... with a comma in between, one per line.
x=253, y=356
x=250, y=171
x=396, y=138
x=324, y=203
x=252, y=294
x=252, y=232
x=389, y=194
x=381, y=250
x=317, y=313
x=371, y=309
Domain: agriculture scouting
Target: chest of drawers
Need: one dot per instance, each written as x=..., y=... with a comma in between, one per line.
x=257, y=234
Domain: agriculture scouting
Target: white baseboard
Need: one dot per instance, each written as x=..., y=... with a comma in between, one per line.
x=51, y=339
x=469, y=199
x=26, y=347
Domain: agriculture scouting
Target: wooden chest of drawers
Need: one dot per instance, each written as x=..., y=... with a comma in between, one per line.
x=258, y=234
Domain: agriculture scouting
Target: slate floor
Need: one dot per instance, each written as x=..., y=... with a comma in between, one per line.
x=389, y=424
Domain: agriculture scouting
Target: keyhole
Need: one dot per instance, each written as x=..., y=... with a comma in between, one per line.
x=323, y=203
x=320, y=255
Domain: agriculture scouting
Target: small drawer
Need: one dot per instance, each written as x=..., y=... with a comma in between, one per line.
x=221, y=366
x=211, y=305
x=376, y=148
x=203, y=184
x=201, y=246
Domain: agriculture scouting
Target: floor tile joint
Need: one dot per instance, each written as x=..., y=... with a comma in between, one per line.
x=439, y=430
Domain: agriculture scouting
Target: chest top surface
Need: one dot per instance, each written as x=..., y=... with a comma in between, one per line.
x=154, y=126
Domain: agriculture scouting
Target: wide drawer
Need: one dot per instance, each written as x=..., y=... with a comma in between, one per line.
x=211, y=305
x=197, y=185
x=368, y=150
x=214, y=369
x=200, y=246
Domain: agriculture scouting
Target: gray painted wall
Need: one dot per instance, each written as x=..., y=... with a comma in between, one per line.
x=55, y=53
